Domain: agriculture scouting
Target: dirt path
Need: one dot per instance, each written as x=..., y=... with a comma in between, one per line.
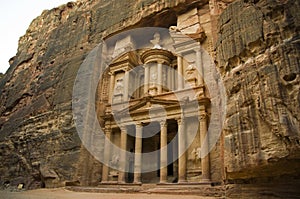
x=65, y=194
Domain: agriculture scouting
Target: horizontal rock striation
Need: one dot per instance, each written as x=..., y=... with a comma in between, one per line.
x=258, y=55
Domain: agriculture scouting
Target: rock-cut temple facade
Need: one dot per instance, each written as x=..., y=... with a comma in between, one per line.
x=152, y=98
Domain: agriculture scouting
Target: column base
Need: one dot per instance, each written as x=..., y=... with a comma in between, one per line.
x=182, y=181
x=108, y=182
x=163, y=182
x=205, y=180
x=137, y=183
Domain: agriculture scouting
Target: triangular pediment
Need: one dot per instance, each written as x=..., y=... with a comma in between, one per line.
x=146, y=103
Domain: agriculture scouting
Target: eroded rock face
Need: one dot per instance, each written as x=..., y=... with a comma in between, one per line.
x=256, y=50
x=258, y=54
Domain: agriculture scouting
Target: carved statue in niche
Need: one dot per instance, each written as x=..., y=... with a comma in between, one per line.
x=156, y=41
x=191, y=75
x=119, y=88
x=153, y=77
x=165, y=78
x=115, y=160
x=153, y=80
x=195, y=157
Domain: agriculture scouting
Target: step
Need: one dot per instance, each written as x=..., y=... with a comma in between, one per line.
x=171, y=189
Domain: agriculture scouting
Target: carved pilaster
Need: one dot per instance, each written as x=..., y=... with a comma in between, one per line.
x=111, y=87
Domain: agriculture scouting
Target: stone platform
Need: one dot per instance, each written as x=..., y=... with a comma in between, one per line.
x=200, y=189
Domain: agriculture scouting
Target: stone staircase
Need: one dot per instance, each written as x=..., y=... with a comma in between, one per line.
x=200, y=189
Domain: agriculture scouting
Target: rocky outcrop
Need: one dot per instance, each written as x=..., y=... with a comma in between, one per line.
x=258, y=55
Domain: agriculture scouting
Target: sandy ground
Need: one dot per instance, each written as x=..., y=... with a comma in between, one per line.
x=65, y=194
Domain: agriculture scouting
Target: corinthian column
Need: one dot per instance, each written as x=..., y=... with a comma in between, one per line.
x=181, y=152
x=138, y=154
x=122, y=162
x=204, y=145
x=163, y=152
x=105, y=168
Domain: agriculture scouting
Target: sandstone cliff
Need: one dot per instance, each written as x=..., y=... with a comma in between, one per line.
x=256, y=49
x=258, y=54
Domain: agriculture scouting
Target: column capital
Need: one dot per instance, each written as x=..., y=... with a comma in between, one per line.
x=139, y=125
x=123, y=128
x=163, y=123
x=203, y=115
x=126, y=69
x=198, y=50
x=107, y=130
x=202, y=112
x=179, y=54
x=160, y=61
x=180, y=120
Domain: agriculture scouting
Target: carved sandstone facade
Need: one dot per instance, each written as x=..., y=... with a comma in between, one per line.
x=154, y=113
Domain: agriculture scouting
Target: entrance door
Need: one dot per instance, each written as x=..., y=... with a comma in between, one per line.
x=149, y=144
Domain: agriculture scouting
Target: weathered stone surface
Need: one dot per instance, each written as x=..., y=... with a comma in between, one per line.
x=258, y=55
